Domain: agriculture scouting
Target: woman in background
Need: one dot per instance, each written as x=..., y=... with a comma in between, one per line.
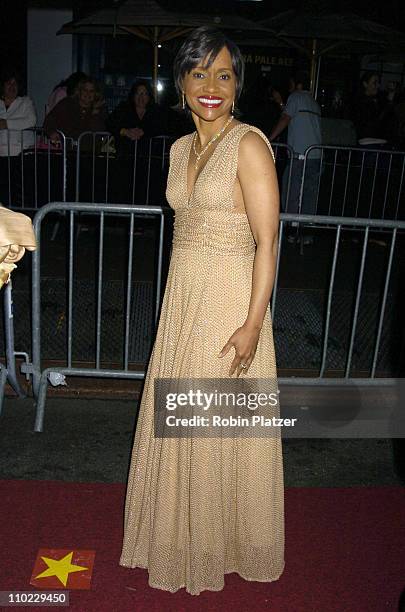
x=132, y=124
x=67, y=87
x=139, y=116
x=17, y=113
x=84, y=111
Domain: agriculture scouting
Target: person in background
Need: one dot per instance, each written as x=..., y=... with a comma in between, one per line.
x=302, y=116
x=67, y=87
x=368, y=108
x=84, y=111
x=263, y=107
x=132, y=124
x=391, y=98
x=137, y=117
x=17, y=113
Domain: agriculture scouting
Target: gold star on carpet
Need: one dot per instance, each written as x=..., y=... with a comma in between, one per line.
x=61, y=568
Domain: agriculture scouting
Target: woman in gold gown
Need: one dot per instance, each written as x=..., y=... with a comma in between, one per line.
x=198, y=508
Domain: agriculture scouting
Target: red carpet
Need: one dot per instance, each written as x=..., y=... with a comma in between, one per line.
x=345, y=550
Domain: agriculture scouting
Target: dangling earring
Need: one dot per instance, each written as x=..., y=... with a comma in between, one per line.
x=233, y=107
x=184, y=100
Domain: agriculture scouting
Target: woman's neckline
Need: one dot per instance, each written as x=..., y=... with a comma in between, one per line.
x=192, y=136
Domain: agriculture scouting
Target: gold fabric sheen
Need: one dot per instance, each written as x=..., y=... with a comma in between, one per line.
x=16, y=235
x=197, y=509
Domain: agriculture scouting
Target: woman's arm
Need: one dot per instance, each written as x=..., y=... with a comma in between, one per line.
x=24, y=117
x=258, y=180
x=57, y=119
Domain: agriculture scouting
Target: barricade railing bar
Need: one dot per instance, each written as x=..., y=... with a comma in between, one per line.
x=8, y=370
x=352, y=182
x=33, y=169
x=338, y=224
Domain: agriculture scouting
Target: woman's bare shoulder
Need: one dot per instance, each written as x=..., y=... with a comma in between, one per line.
x=254, y=142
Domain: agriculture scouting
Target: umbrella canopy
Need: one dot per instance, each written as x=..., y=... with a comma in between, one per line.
x=147, y=14
x=341, y=27
x=329, y=31
x=148, y=20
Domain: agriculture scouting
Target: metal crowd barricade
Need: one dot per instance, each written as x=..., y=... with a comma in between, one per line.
x=352, y=182
x=335, y=225
x=33, y=170
x=99, y=211
x=92, y=169
x=283, y=154
x=104, y=173
x=391, y=231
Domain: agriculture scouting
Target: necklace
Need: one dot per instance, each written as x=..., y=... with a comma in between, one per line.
x=199, y=155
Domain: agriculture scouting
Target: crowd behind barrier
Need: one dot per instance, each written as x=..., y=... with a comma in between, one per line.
x=98, y=327
x=342, y=181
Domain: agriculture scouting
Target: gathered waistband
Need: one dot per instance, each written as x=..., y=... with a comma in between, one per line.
x=213, y=231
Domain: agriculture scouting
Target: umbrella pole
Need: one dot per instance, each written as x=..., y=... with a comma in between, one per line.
x=155, y=62
x=318, y=70
x=313, y=66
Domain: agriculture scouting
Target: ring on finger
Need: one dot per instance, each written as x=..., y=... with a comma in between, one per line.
x=243, y=366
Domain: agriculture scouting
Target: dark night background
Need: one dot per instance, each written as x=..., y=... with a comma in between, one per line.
x=13, y=15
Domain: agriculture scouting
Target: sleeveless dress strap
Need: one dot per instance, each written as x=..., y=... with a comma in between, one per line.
x=238, y=134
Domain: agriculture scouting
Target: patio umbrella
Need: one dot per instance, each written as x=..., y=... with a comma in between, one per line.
x=148, y=20
x=330, y=31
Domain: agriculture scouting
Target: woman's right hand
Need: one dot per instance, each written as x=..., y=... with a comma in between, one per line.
x=132, y=133
x=54, y=137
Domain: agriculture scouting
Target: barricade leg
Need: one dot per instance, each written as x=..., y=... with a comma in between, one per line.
x=3, y=379
x=9, y=337
x=40, y=403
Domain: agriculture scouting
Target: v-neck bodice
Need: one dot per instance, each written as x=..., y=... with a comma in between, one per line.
x=218, y=147
x=206, y=215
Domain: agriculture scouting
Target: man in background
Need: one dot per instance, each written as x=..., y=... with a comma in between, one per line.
x=302, y=116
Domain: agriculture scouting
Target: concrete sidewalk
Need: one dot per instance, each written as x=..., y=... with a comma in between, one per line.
x=90, y=440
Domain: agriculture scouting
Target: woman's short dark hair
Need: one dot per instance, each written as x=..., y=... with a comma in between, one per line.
x=368, y=75
x=141, y=83
x=7, y=75
x=72, y=82
x=206, y=42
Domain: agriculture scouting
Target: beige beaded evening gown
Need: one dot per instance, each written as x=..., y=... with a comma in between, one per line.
x=197, y=509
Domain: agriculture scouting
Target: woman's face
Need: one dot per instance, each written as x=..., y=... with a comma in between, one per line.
x=141, y=97
x=210, y=91
x=371, y=86
x=11, y=89
x=87, y=95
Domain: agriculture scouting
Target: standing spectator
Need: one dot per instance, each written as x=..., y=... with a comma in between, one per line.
x=17, y=113
x=368, y=108
x=264, y=106
x=400, y=122
x=84, y=111
x=302, y=116
x=132, y=124
x=390, y=127
x=67, y=87
x=139, y=116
